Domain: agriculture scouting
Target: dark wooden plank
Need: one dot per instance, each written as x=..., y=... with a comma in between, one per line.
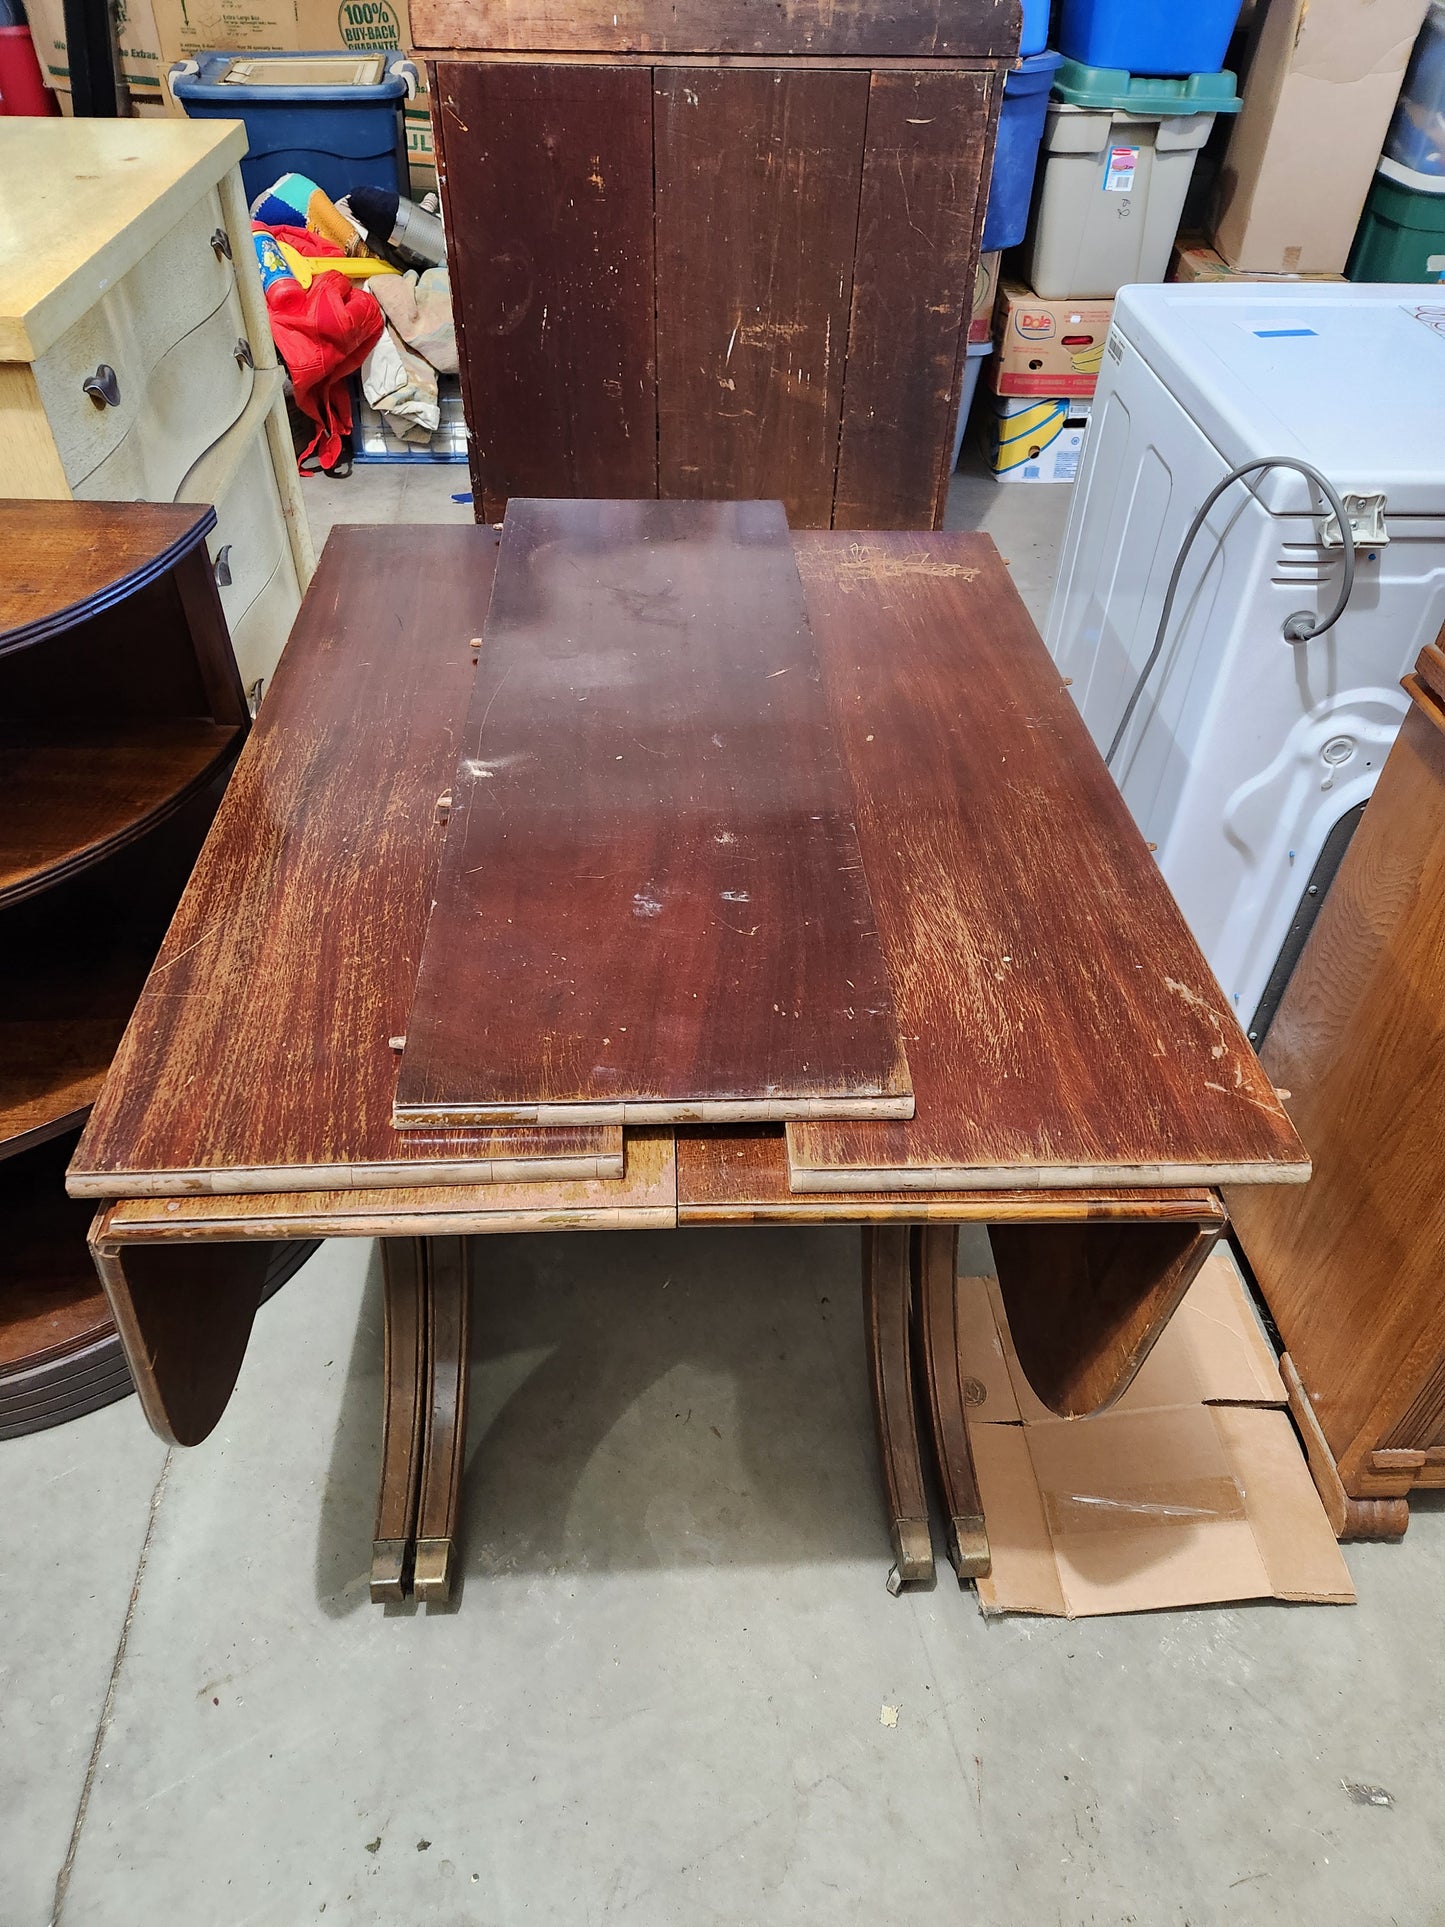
x=904, y=27
x=1061, y=1025
x=66, y=562
x=651, y=906
x=738, y=1174
x=925, y=175
x=757, y=209
x=547, y=183
x=259, y=1055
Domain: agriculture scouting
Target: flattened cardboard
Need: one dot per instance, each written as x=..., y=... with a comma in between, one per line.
x=1192, y=1490
x=1321, y=86
x=1194, y=260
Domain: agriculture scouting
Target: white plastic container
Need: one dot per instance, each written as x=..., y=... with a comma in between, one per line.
x=978, y=353
x=1248, y=755
x=1112, y=191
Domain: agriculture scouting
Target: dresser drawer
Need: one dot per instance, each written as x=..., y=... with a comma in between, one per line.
x=250, y=533
x=260, y=635
x=180, y=286
x=188, y=400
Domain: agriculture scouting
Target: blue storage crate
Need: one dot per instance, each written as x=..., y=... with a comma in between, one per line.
x=1016, y=150
x=337, y=118
x=1148, y=36
x=1034, y=37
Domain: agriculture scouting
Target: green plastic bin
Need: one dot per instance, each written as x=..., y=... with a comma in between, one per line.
x=1401, y=236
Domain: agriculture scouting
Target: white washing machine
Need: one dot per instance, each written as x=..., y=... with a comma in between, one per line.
x=1249, y=758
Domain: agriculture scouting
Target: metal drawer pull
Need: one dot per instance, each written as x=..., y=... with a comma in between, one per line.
x=102, y=387
x=223, y=566
x=242, y=352
x=221, y=242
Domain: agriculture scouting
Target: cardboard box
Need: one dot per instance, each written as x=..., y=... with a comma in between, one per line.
x=185, y=27
x=1319, y=91
x=1034, y=440
x=1195, y=260
x=1190, y=1491
x=985, y=293
x=1047, y=348
x=138, y=54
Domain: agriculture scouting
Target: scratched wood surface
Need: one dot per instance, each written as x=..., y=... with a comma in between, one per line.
x=643, y=1198
x=1353, y=1277
x=63, y=567
x=259, y=1053
x=924, y=184
x=1062, y=1028
x=904, y=27
x=547, y=185
x=651, y=906
x=735, y=1174
x=757, y=210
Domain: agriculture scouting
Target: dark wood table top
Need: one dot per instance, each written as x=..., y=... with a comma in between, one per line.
x=651, y=906
x=66, y=561
x=1053, y=1004
x=259, y=1054
x=1061, y=1025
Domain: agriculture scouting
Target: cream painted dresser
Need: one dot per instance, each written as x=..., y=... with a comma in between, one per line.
x=136, y=360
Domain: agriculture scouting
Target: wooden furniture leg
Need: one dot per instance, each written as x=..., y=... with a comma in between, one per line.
x=935, y=1268
x=448, y=1282
x=403, y=1262
x=1086, y=1302
x=886, y=1299
x=184, y=1314
x=1349, y=1518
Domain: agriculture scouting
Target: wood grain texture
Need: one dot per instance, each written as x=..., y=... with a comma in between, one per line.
x=1353, y=1277
x=924, y=183
x=1061, y=1025
x=546, y=179
x=64, y=565
x=650, y=907
x=733, y=1174
x=905, y=27
x=448, y=1302
x=643, y=1199
x=757, y=211
x=403, y=1428
x=1349, y=1518
x=1085, y=1303
x=935, y=1264
x=259, y=1053
x=887, y=1303
x=71, y=794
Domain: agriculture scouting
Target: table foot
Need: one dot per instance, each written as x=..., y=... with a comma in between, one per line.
x=448, y=1273
x=403, y=1265
x=1085, y=1302
x=887, y=1294
x=935, y=1270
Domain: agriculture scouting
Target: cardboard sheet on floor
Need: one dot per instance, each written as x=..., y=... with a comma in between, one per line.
x=1191, y=1490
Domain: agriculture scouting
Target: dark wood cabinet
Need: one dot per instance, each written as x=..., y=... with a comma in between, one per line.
x=721, y=252
x=121, y=713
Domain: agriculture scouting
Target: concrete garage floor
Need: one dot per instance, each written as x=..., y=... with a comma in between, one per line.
x=660, y=1698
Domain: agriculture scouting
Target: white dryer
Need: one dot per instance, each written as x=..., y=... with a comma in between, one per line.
x=1249, y=758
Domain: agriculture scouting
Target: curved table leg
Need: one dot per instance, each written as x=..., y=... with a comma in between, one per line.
x=448, y=1291
x=1086, y=1302
x=887, y=1292
x=935, y=1256
x=403, y=1263
x=184, y=1313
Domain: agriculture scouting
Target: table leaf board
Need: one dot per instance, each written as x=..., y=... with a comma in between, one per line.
x=650, y=907
x=1061, y=1025
x=260, y=1054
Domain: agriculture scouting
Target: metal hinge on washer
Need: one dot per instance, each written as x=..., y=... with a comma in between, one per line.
x=1367, y=523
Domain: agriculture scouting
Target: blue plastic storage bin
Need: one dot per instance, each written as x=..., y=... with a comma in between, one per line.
x=1035, y=35
x=1148, y=36
x=1016, y=150
x=335, y=117
x=1416, y=139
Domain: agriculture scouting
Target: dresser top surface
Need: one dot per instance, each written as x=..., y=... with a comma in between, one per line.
x=99, y=194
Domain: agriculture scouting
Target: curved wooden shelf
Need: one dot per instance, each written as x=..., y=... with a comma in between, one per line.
x=59, y=573
x=68, y=801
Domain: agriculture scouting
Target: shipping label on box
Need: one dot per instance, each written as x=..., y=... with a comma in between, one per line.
x=1047, y=348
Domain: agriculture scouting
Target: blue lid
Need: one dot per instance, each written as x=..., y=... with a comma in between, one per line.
x=1033, y=73
x=204, y=76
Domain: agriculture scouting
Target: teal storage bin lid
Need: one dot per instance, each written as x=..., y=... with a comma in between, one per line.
x=1083, y=86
